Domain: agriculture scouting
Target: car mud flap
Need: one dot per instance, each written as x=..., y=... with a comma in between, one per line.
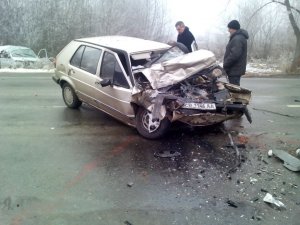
x=241, y=108
x=247, y=114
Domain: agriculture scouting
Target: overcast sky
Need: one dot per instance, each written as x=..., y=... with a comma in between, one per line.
x=201, y=16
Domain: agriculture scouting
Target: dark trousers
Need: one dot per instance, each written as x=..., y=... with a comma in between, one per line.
x=234, y=80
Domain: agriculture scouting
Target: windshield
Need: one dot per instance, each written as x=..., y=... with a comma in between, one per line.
x=169, y=54
x=25, y=53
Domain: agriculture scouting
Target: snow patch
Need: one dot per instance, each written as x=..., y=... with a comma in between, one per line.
x=262, y=68
x=22, y=70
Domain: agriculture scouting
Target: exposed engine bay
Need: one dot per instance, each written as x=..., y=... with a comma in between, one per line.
x=190, y=89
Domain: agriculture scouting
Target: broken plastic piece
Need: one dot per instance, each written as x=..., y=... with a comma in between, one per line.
x=130, y=184
x=254, y=199
x=253, y=180
x=231, y=203
x=290, y=162
x=167, y=154
x=270, y=152
x=270, y=199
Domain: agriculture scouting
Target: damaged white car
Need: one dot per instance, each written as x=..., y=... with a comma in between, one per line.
x=147, y=84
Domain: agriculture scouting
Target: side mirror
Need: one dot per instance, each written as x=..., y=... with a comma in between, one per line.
x=105, y=82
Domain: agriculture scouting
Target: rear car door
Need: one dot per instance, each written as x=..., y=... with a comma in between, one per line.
x=114, y=98
x=84, y=65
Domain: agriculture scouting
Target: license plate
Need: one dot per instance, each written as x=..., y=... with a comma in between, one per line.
x=202, y=106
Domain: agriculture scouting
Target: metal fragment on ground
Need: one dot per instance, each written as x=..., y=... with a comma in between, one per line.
x=167, y=154
x=290, y=162
x=270, y=199
x=130, y=184
x=231, y=203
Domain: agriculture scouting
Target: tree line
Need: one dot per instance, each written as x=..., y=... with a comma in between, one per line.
x=52, y=24
x=273, y=25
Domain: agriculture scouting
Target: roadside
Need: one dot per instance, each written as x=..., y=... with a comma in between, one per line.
x=267, y=71
x=26, y=71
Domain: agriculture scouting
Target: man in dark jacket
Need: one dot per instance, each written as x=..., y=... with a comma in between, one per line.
x=184, y=35
x=235, y=58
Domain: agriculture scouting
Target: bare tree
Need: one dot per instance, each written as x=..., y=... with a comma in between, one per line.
x=295, y=26
x=52, y=24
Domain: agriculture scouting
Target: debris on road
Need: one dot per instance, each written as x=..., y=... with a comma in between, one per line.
x=243, y=139
x=290, y=162
x=231, y=203
x=293, y=185
x=270, y=152
x=167, y=154
x=238, y=155
x=258, y=218
x=130, y=184
x=271, y=200
x=253, y=180
x=255, y=199
x=127, y=223
x=263, y=190
x=274, y=173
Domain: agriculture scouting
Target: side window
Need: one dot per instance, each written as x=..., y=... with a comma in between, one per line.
x=119, y=78
x=108, y=66
x=76, y=59
x=86, y=58
x=110, y=69
x=90, y=59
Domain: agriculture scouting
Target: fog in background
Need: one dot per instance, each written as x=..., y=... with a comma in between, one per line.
x=52, y=24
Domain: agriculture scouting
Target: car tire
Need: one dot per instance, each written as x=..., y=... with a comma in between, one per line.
x=70, y=98
x=150, y=131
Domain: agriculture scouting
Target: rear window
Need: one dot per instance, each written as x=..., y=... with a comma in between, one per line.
x=76, y=59
x=24, y=53
x=86, y=58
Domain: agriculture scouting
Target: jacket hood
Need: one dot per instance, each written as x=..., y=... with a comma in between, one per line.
x=186, y=29
x=241, y=32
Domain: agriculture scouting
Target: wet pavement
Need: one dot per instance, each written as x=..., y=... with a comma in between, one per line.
x=61, y=166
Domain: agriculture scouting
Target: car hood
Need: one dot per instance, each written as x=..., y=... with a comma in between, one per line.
x=180, y=68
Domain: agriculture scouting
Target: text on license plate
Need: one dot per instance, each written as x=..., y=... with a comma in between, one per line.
x=203, y=106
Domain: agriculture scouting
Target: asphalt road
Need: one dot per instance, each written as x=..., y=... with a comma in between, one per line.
x=60, y=166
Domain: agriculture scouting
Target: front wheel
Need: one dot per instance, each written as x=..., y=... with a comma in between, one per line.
x=147, y=127
x=70, y=97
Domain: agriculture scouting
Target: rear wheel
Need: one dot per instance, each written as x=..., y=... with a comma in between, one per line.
x=69, y=96
x=148, y=128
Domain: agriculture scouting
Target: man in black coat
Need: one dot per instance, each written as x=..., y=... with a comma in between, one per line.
x=235, y=58
x=184, y=35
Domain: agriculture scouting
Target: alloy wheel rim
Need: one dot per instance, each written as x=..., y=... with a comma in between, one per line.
x=148, y=122
x=68, y=95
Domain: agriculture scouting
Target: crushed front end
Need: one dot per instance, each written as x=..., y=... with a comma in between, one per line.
x=199, y=98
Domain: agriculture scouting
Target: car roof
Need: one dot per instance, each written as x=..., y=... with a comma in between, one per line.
x=129, y=44
x=11, y=47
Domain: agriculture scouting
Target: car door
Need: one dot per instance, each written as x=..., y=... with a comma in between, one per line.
x=84, y=66
x=115, y=97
